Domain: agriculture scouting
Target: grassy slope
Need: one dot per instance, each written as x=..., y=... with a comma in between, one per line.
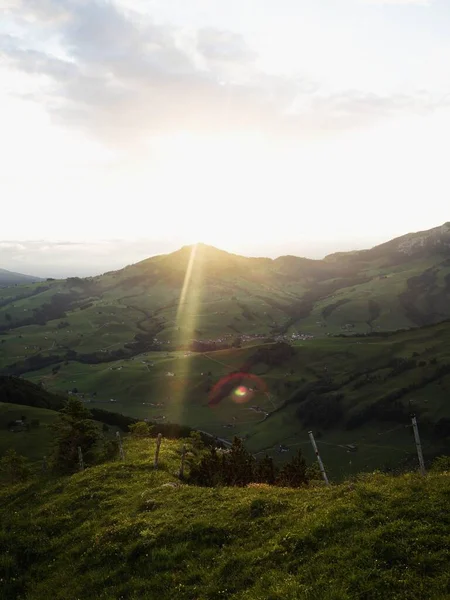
x=230, y=294
x=35, y=443
x=137, y=387
x=227, y=295
x=10, y=278
x=115, y=531
x=18, y=398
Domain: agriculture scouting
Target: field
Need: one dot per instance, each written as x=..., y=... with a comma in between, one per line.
x=201, y=293
x=155, y=340
x=177, y=386
x=124, y=530
x=33, y=444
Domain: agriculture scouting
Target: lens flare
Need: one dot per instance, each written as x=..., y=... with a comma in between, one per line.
x=241, y=391
x=234, y=386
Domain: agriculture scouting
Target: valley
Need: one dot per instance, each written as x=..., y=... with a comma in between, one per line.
x=346, y=346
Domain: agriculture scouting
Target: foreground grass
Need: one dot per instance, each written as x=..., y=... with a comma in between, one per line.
x=118, y=531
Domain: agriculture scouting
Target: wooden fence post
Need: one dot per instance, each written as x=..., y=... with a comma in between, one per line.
x=158, y=444
x=319, y=460
x=418, y=445
x=121, y=452
x=80, y=459
x=183, y=458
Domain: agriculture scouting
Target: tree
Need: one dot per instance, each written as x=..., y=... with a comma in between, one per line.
x=140, y=429
x=209, y=471
x=293, y=474
x=265, y=471
x=13, y=467
x=197, y=444
x=74, y=428
x=8, y=317
x=238, y=465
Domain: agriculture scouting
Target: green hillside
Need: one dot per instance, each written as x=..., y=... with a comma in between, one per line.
x=9, y=278
x=155, y=339
x=201, y=293
x=34, y=442
x=349, y=390
x=123, y=530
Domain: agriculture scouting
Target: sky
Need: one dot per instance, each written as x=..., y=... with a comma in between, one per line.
x=263, y=127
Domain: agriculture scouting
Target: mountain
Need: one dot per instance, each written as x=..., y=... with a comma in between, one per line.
x=402, y=283
x=156, y=338
x=8, y=278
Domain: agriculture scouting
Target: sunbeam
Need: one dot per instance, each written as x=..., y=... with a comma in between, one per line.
x=185, y=328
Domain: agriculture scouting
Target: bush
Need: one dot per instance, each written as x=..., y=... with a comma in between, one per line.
x=14, y=468
x=293, y=473
x=73, y=429
x=140, y=429
x=237, y=467
x=441, y=464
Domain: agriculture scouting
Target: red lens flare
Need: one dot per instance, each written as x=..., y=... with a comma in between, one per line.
x=237, y=386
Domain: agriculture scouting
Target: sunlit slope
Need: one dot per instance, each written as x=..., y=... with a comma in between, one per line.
x=405, y=283
x=350, y=390
x=124, y=530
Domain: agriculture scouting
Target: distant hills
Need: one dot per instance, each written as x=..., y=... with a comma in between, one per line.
x=8, y=278
x=143, y=338
x=205, y=294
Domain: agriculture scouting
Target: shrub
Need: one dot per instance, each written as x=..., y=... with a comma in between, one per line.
x=293, y=473
x=140, y=429
x=74, y=428
x=14, y=467
x=441, y=464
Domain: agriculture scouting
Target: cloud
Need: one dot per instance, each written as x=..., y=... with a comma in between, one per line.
x=12, y=246
x=67, y=258
x=123, y=78
x=219, y=45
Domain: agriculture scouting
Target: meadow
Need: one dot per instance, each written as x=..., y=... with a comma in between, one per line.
x=124, y=530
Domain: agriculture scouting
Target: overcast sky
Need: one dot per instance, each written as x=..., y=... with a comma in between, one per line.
x=263, y=127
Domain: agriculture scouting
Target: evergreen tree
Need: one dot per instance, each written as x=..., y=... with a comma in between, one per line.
x=239, y=465
x=74, y=428
x=265, y=471
x=209, y=471
x=294, y=473
x=14, y=467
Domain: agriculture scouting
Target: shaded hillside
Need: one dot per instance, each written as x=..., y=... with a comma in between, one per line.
x=153, y=339
x=19, y=397
x=350, y=390
x=9, y=278
x=20, y=391
x=404, y=283
x=124, y=530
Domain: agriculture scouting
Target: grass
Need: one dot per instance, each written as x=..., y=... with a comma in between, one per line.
x=138, y=388
x=35, y=443
x=230, y=295
x=117, y=531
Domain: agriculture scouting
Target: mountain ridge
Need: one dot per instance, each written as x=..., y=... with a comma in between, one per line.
x=418, y=238
x=156, y=337
x=12, y=278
